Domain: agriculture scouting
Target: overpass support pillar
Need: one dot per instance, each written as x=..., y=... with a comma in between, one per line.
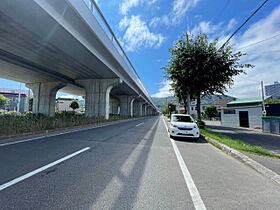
x=140, y=108
x=146, y=110
x=132, y=113
x=125, y=105
x=44, y=96
x=98, y=96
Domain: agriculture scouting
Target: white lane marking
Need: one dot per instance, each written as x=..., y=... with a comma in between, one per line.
x=57, y=134
x=140, y=124
x=23, y=177
x=197, y=201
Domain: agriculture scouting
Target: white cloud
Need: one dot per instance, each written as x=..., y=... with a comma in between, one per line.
x=176, y=14
x=206, y=27
x=232, y=23
x=180, y=8
x=137, y=34
x=70, y=96
x=164, y=90
x=265, y=56
x=127, y=5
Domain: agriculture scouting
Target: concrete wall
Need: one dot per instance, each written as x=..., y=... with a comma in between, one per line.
x=232, y=120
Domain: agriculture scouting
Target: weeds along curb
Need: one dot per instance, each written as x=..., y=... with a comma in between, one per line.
x=244, y=159
x=44, y=132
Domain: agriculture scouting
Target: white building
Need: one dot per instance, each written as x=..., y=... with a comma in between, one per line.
x=243, y=113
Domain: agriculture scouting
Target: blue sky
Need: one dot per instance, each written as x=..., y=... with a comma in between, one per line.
x=147, y=28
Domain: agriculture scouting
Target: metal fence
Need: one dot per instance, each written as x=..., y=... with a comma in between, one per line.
x=271, y=124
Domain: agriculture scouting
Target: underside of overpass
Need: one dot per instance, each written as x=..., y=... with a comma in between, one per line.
x=59, y=45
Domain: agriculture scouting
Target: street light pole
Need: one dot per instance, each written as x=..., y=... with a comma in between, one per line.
x=263, y=102
x=18, y=105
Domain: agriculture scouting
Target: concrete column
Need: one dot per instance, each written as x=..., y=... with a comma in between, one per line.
x=44, y=95
x=131, y=107
x=125, y=104
x=146, y=109
x=114, y=106
x=140, y=108
x=98, y=96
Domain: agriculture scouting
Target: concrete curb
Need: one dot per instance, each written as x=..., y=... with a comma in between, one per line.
x=245, y=159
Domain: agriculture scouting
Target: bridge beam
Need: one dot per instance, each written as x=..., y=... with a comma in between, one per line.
x=44, y=95
x=98, y=96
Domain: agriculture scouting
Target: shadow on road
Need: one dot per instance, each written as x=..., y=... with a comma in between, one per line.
x=189, y=140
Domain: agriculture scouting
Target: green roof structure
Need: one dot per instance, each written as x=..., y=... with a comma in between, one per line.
x=247, y=101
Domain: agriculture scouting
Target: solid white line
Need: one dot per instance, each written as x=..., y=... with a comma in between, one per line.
x=139, y=124
x=197, y=201
x=57, y=134
x=21, y=178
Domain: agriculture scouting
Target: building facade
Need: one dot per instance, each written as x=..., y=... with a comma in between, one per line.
x=245, y=112
x=13, y=102
x=273, y=90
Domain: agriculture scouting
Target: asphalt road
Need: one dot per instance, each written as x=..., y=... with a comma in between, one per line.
x=128, y=165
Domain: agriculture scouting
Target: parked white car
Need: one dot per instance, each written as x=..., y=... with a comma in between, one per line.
x=183, y=125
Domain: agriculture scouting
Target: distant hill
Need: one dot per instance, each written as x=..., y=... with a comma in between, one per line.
x=161, y=102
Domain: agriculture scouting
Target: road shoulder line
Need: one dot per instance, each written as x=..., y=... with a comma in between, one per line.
x=197, y=201
x=245, y=160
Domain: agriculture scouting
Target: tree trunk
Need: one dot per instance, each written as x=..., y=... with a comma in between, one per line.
x=198, y=107
x=185, y=107
x=189, y=104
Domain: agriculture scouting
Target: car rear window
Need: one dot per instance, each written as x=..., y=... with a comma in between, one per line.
x=181, y=119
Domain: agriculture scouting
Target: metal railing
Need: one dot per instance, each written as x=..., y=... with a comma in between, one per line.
x=92, y=5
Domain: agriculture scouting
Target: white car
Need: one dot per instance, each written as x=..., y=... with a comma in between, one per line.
x=183, y=125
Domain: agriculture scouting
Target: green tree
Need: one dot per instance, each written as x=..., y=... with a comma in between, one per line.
x=30, y=104
x=273, y=101
x=211, y=111
x=198, y=67
x=169, y=108
x=3, y=100
x=74, y=104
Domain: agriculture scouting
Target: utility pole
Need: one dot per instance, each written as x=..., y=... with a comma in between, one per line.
x=263, y=102
x=18, y=105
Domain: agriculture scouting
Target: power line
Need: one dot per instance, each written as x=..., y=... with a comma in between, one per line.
x=244, y=23
x=222, y=11
x=255, y=43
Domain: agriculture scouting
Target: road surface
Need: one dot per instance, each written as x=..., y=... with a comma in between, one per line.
x=128, y=165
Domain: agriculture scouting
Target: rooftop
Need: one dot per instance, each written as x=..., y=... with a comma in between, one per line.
x=247, y=101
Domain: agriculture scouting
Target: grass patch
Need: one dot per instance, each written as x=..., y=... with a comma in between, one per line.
x=238, y=144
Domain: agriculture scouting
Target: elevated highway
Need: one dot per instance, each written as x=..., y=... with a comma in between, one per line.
x=67, y=45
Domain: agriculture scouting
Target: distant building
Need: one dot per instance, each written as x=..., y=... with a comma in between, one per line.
x=13, y=96
x=63, y=104
x=273, y=90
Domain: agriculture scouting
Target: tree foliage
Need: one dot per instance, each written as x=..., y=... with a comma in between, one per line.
x=169, y=108
x=3, y=100
x=74, y=105
x=273, y=101
x=211, y=111
x=30, y=104
x=198, y=67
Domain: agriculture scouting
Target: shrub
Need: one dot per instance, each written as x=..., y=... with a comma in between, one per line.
x=201, y=124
